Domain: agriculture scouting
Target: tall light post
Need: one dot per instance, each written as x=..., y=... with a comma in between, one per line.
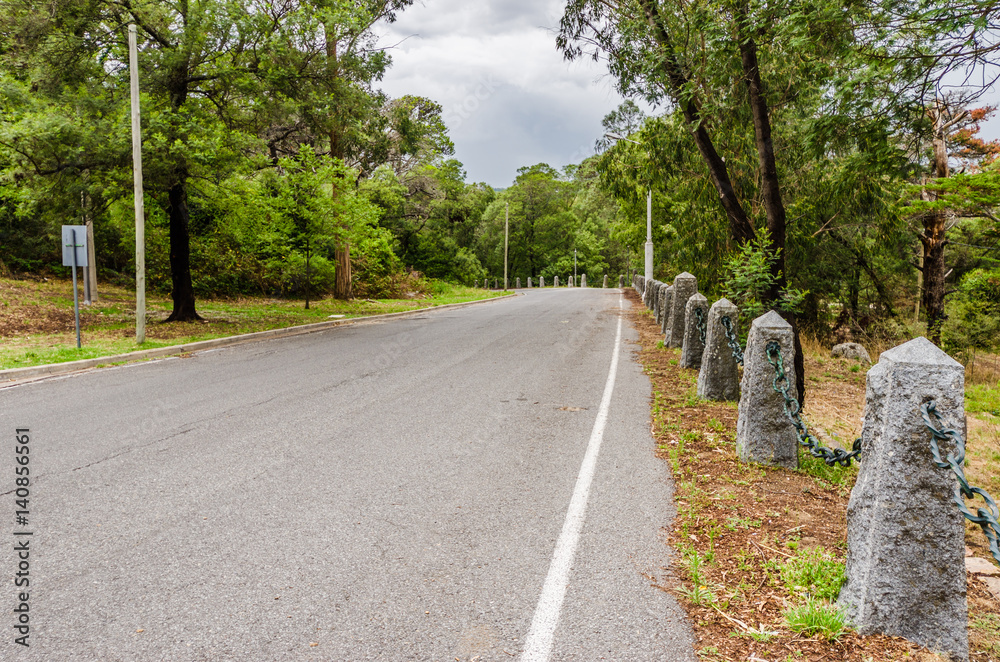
x=574, y=266
x=506, y=235
x=649, y=214
x=140, y=214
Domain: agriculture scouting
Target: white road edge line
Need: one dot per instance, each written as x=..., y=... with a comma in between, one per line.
x=538, y=646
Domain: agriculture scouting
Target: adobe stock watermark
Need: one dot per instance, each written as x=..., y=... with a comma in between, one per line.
x=22, y=540
x=486, y=87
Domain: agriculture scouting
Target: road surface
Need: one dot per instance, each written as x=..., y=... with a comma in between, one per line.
x=386, y=491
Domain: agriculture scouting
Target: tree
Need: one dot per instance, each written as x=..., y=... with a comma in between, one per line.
x=953, y=137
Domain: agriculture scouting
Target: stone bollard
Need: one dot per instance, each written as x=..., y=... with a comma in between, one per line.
x=583, y=280
x=621, y=281
x=476, y=284
x=668, y=299
x=529, y=282
x=571, y=283
x=541, y=281
x=905, y=570
x=663, y=296
x=764, y=433
x=555, y=281
x=605, y=286
x=648, y=295
x=518, y=282
x=685, y=285
x=719, y=378
x=692, y=347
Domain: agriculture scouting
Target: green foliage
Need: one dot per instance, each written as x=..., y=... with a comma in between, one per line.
x=974, y=312
x=750, y=275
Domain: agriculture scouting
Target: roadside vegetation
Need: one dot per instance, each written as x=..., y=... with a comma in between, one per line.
x=36, y=318
x=760, y=551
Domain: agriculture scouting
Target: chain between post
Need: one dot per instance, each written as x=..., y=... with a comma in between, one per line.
x=734, y=342
x=829, y=455
x=699, y=316
x=987, y=517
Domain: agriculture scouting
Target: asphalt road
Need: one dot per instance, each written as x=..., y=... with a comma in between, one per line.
x=389, y=491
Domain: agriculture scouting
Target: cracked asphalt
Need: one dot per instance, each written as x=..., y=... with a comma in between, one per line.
x=388, y=491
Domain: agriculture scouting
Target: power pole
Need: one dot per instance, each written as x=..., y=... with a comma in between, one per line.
x=140, y=215
x=506, y=236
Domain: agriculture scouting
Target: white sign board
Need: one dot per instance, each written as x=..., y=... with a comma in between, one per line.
x=68, y=245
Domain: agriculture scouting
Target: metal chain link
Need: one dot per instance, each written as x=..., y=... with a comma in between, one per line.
x=780, y=384
x=734, y=342
x=986, y=519
x=699, y=316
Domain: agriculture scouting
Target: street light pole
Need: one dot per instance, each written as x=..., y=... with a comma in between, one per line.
x=140, y=214
x=506, y=235
x=649, y=234
x=574, y=266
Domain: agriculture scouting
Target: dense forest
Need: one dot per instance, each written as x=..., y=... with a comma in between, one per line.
x=821, y=157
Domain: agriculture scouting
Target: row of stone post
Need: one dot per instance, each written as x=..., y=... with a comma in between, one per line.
x=905, y=572
x=541, y=282
x=677, y=309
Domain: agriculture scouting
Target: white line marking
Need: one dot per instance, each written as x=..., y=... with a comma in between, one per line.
x=538, y=645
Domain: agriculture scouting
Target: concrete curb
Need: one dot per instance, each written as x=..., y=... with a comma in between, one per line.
x=11, y=375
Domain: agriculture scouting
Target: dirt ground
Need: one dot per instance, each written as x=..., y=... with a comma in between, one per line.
x=748, y=519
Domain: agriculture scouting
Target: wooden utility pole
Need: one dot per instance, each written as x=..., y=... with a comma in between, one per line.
x=140, y=215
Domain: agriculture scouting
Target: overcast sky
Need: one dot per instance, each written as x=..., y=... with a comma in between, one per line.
x=510, y=100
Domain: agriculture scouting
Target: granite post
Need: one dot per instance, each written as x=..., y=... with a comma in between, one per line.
x=668, y=299
x=692, y=347
x=583, y=280
x=518, y=282
x=719, y=378
x=764, y=432
x=662, y=304
x=555, y=281
x=905, y=536
x=541, y=281
x=685, y=285
x=529, y=282
x=621, y=281
x=605, y=281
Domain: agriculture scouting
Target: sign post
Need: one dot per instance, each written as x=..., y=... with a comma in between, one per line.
x=75, y=255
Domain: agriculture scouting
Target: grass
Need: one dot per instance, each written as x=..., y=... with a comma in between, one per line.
x=36, y=319
x=814, y=572
x=817, y=617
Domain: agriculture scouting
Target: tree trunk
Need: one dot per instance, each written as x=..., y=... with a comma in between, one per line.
x=934, y=241
x=933, y=237
x=740, y=226
x=180, y=253
x=770, y=186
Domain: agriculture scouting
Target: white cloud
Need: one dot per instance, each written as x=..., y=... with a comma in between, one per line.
x=510, y=99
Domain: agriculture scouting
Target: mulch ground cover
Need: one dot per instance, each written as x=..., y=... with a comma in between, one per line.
x=739, y=524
